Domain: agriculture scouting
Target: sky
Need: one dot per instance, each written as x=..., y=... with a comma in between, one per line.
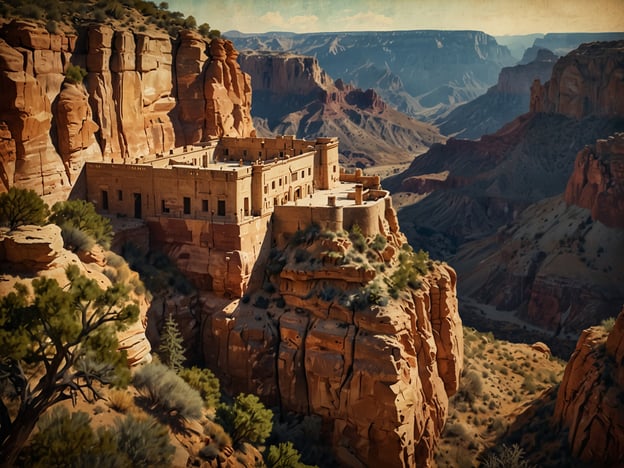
x=495, y=17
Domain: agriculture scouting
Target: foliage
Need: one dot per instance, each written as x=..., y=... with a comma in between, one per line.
x=166, y=390
x=283, y=455
x=75, y=74
x=56, y=346
x=608, y=324
x=81, y=215
x=120, y=400
x=508, y=457
x=411, y=266
x=144, y=441
x=205, y=382
x=171, y=349
x=66, y=439
x=246, y=420
x=76, y=240
x=379, y=243
x=357, y=238
x=20, y=206
x=305, y=434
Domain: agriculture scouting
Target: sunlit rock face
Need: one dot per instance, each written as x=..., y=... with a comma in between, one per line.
x=144, y=94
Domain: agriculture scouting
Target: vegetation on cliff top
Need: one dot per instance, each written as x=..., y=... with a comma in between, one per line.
x=66, y=14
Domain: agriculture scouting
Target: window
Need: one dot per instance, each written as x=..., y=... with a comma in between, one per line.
x=334, y=168
x=280, y=182
x=266, y=189
x=273, y=185
x=204, y=205
x=221, y=208
x=104, y=199
x=119, y=195
x=302, y=174
x=163, y=206
x=226, y=152
x=187, y=205
x=309, y=171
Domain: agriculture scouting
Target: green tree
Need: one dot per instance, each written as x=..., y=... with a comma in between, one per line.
x=171, y=349
x=80, y=214
x=204, y=29
x=205, y=382
x=75, y=74
x=246, y=420
x=284, y=455
x=21, y=206
x=56, y=347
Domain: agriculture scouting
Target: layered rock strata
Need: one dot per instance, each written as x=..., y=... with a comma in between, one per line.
x=597, y=182
x=323, y=336
x=589, y=402
x=144, y=94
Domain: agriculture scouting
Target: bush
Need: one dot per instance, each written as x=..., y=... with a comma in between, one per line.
x=507, y=457
x=76, y=240
x=283, y=455
x=171, y=349
x=379, y=243
x=247, y=420
x=19, y=207
x=205, y=382
x=74, y=73
x=608, y=324
x=164, y=389
x=81, y=215
x=66, y=439
x=120, y=400
x=144, y=441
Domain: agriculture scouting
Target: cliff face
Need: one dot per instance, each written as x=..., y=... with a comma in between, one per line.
x=143, y=94
x=597, y=182
x=378, y=372
x=420, y=73
x=585, y=83
x=590, y=395
x=502, y=103
x=293, y=95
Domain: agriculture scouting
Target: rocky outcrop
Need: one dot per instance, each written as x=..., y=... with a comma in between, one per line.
x=292, y=94
x=29, y=252
x=590, y=395
x=597, y=182
x=321, y=338
x=143, y=95
x=421, y=73
x=586, y=82
x=502, y=103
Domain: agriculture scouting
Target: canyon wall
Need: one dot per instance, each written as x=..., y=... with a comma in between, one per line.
x=590, y=396
x=322, y=336
x=292, y=94
x=144, y=93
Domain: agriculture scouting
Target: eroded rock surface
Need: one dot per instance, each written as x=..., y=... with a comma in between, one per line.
x=589, y=402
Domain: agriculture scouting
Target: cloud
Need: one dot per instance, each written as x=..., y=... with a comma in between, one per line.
x=275, y=20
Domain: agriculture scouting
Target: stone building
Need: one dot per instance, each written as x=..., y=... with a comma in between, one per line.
x=218, y=207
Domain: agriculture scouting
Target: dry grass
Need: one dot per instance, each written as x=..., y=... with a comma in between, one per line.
x=121, y=401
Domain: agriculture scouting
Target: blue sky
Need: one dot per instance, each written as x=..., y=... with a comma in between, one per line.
x=496, y=17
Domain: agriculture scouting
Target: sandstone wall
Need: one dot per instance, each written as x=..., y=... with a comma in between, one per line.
x=597, y=182
x=590, y=396
x=144, y=94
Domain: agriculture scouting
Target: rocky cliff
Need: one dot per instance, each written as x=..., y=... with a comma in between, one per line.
x=292, y=94
x=585, y=83
x=326, y=335
x=589, y=399
x=31, y=251
x=143, y=94
x=597, y=182
x=420, y=73
x=502, y=103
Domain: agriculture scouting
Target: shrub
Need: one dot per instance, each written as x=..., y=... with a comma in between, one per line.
x=120, y=400
x=608, y=324
x=166, y=390
x=246, y=419
x=20, y=206
x=205, y=382
x=283, y=455
x=507, y=457
x=81, y=215
x=217, y=434
x=76, y=240
x=74, y=73
x=357, y=238
x=67, y=439
x=144, y=441
x=379, y=243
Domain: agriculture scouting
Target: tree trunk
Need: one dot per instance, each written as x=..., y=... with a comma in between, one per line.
x=20, y=431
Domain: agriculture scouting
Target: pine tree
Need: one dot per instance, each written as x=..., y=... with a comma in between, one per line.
x=171, y=349
x=21, y=206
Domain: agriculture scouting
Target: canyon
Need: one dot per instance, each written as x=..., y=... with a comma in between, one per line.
x=293, y=95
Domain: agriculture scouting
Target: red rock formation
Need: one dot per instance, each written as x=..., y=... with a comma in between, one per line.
x=597, y=182
x=589, y=402
x=380, y=376
x=585, y=82
x=131, y=88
